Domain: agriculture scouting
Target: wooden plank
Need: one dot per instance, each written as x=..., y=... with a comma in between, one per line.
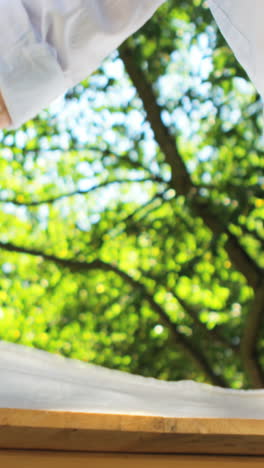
x=94, y=432
x=25, y=459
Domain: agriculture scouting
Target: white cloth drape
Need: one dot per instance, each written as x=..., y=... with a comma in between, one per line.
x=33, y=379
x=241, y=22
x=48, y=46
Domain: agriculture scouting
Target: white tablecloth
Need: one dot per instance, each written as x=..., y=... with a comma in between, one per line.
x=34, y=379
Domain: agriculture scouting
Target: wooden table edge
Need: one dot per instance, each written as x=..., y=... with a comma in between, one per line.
x=53, y=419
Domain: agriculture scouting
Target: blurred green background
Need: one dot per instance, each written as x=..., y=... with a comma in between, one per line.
x=132, y=212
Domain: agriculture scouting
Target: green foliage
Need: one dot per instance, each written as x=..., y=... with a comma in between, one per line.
x=102, y=259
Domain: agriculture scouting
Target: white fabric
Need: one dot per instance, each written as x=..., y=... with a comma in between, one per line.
x=48, y=46
x=33, y=379
x=241, y=22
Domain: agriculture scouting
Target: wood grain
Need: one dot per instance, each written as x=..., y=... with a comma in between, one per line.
x=94, y=432
x=20, y=459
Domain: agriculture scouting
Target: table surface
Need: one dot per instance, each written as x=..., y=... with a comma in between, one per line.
x=123, y=433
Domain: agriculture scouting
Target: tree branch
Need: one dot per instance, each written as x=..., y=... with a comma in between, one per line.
x=181, y=180
x=238, y=256
x=211, y=334
x=139, y=209
x=176, y=336
x=166, y=141
x=77, y=192
x=249, y=341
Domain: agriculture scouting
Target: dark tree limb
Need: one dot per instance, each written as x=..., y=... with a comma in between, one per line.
x=181, y=180
x=211, y=334
x=77, y=192
x=177, y=337
x=166, y=141
x=238, y=256
x=253, y=325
